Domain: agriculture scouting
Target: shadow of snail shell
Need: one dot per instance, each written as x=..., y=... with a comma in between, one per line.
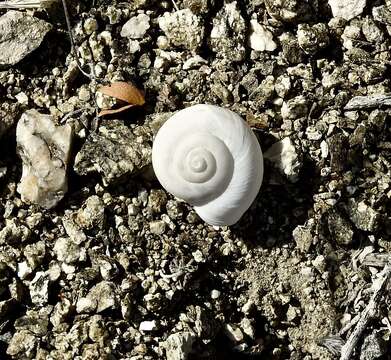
x=209, y=157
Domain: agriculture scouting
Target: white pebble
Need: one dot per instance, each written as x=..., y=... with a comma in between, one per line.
x=347, y=9
x=157, y=227
x=215, y=294
x=324, y=147
x=234, y=333
x=85, y=304
x=261, y=39
x=90, y=26
x=22, y=98
x=148, y=325
x=24, y=270
x=136, y=27
x=283, y=154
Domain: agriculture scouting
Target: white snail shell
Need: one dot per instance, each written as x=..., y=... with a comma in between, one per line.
x=209, y=157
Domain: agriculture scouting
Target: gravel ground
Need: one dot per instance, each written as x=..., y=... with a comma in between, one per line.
x=97, y=261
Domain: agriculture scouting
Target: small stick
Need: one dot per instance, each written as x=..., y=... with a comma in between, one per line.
x=369, y=312
x=175, y=5
x=68, y=21
x=26, y=4
x=348, y=326
x=91, y=76
x=70, y=114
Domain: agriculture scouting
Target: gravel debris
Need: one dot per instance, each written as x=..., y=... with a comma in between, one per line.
x=313, y=38
x=373, y=347
x=39, y=288
x=178, y=346
x=363, y=216
x=100, y=262
x=340, y=228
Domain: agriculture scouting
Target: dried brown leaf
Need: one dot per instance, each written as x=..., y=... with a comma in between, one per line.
x=125, y=92
x=115, y=111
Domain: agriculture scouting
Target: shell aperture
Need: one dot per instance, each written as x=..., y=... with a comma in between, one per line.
x=209, y=157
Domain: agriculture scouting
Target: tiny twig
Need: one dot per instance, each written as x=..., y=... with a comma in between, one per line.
x=26, y=4
x=68, y=21
x=349, y=325
x=175, y=5
x=91, y=76
x=70, y=114
x=369, y=312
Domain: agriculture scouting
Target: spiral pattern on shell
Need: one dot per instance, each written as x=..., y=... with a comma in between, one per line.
x=209, y=157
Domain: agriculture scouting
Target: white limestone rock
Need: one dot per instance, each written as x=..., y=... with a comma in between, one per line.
x=44, y=149
x=347, y=9
x=178, y=345
x=148, y=325
x=261, y=39
x=39, y=288
x=183, y=29
x=66, y=250
x=136, y=27
x=284, y=156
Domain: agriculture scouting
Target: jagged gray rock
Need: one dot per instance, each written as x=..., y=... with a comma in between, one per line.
x=20, y=34
x=178, y=346
x=115, y=151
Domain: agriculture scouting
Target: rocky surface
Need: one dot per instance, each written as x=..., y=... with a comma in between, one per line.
x=120, y=269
